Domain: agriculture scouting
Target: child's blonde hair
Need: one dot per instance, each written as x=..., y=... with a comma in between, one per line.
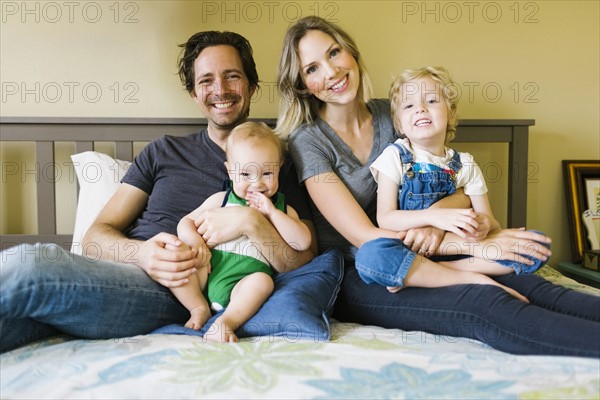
x=439, y=75
x=255, y=132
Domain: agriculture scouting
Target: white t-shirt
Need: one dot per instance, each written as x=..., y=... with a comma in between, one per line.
x=470, y=177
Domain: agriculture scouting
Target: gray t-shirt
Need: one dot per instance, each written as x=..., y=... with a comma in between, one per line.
x=317, y=149
x=179, y=173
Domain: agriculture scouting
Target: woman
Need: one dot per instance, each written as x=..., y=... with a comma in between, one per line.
x=335, y=132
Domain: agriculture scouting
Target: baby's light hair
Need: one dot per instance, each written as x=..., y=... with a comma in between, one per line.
x=439, y=75
x=255, y=132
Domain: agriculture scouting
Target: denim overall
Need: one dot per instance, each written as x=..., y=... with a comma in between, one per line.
x=386, y=261
x=424, y=184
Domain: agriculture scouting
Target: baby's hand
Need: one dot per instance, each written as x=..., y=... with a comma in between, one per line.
x=461, y=221
x=260, y=202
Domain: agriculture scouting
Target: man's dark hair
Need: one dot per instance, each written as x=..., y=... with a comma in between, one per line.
x=201, y=40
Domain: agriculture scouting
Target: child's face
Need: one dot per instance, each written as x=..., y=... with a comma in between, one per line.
x=253, y=166
x=423, y=113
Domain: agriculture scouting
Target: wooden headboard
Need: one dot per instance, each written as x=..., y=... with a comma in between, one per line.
x=124, y=132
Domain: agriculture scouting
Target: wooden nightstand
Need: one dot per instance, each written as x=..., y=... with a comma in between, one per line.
x=580, y=274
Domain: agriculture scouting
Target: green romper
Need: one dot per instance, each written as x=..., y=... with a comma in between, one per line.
x=233, y=260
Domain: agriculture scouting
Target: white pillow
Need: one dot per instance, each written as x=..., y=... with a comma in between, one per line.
x=99, y=176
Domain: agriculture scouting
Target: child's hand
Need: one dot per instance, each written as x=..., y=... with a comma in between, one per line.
x=260, y=202
x=424, y=240
x=461, y=221
x=484, y=226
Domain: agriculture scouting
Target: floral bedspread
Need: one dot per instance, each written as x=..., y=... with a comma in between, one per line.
x=360, y=362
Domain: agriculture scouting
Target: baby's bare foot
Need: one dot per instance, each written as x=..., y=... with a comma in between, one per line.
x=221, y=331
x=393, y=289
x=198, y=317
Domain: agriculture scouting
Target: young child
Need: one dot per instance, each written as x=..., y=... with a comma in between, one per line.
x=238, y=278
x=418, y=170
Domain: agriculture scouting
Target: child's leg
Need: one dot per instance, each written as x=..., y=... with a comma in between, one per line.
x=247, y=296
x=426, y=273
x=472, y=264
x=390, y=263
x=384, y=261
x=190, y=295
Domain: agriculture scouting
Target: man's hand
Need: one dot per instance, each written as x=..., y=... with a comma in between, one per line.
x=223, y=224
x=167, y=260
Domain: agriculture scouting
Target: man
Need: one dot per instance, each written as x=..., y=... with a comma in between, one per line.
x=127, y=292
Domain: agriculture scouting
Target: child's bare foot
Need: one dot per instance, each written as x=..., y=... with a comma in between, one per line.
x=393, y=289
x=222, y=330
x=513, y=293
x=198, y=317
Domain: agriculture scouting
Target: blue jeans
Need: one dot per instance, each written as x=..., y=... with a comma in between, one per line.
x=386, y=261
x=558, y=321
x=46, y=290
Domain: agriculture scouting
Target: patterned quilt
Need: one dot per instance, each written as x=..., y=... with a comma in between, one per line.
x=360, y=362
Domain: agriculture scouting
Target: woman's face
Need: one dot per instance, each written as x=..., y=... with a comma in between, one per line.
x=328, y=70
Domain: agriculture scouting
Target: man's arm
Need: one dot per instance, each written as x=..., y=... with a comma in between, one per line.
x=165, y=258
x=227, y=223
x=287, y=222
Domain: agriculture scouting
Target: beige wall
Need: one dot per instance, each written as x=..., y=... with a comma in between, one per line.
x=527, y=59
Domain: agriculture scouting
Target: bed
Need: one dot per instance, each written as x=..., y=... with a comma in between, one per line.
x=357, y=362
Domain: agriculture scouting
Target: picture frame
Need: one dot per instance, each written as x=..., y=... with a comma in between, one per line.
x=581, y=179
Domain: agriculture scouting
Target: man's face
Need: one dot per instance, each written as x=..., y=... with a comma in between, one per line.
x=221, y=88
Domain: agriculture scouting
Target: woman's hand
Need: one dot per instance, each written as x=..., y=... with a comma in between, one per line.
x=512, y=244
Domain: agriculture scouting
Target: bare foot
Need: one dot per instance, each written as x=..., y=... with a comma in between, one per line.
x=198, y=317
x=513, y=293
x=221, y=331
x=393, y=289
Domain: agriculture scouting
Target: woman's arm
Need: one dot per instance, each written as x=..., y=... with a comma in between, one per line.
x=339, y=207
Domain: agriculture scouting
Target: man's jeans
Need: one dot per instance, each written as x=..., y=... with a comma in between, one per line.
x=46, y=290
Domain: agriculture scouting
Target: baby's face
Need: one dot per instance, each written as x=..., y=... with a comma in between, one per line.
x=423, y=114
x=254, y=167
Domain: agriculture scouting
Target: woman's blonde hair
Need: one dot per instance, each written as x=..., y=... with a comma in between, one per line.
x=439, y=75
x=296, y=104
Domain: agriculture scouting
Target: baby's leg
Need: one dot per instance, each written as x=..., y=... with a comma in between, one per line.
x=247, y=296
x=190, y=295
